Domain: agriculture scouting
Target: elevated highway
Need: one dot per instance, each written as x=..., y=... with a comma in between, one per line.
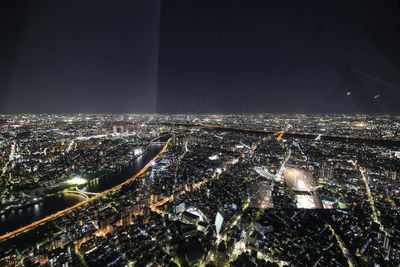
x=80, y=204
x=321, y=136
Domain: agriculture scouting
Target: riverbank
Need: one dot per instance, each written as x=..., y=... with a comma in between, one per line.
x=138, y=168
x=6, y=209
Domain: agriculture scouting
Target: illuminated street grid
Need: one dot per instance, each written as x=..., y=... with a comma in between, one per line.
x=297, y=190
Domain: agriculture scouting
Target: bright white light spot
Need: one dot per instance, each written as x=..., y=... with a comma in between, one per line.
x=138, y=151
x=301, y=184
x=213, y=157
x=305, y=202
x=77, y=180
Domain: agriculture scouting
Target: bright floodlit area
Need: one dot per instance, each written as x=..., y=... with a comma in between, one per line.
x=77, y=181
x=305, y=202
x=298, y=180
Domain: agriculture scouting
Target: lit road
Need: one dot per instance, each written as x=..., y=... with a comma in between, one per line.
x=86, y=193
x=333, y=137
x=372, y=202
x=80, y=192
x=59, y=213
x=76, y=192
x=282, y=168
x=197, y=185
x=343, y=247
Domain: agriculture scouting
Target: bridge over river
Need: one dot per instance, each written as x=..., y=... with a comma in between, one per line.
x=49, y=207
x=81, y=193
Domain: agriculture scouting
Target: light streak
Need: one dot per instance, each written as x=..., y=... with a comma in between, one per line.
x=61, y=212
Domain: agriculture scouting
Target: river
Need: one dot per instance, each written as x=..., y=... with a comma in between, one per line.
x=51, y=204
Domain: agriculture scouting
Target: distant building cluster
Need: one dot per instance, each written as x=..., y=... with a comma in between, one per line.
x=227, y=190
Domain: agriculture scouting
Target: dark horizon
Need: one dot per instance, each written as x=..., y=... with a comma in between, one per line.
x=208, y=57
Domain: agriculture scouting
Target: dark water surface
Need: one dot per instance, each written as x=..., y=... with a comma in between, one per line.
x=51, y=204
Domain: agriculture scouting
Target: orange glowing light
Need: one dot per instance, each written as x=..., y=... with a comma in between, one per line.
x=52, y=216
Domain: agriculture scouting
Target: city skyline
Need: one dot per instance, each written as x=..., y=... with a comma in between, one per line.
x=200, y=57
x=199, y=190
x=205, y=133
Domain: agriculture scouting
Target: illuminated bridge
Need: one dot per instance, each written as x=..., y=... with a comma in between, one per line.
x=62, y=212
x=81, y=192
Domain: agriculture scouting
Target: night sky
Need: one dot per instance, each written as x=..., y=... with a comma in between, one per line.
x=82, y=56
x=204, y=56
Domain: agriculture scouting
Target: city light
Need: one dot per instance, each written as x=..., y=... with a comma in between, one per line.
x=204, y=191
x=76, y=181
x=138, y=151
x=305, y=202
x=213, y=157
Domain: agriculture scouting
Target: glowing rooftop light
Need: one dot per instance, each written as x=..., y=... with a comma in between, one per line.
x=213, y=157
